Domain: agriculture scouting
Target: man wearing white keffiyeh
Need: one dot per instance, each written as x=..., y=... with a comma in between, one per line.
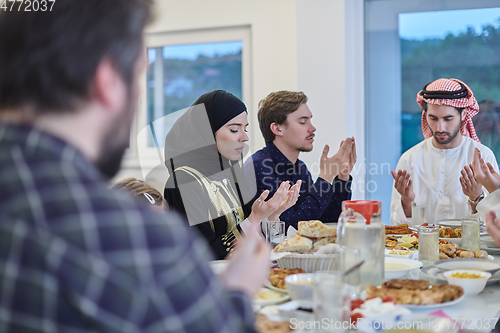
x=432, y=172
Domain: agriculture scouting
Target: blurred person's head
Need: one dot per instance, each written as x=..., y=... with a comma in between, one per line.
x=285, y=119
x=76, y=64
x=143, y=192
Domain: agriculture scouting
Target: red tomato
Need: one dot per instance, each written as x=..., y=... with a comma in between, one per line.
x=356, y=303
x=355, y=317
x=388, y=299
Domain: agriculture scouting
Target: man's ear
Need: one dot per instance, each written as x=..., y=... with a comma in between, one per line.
x=276, y=129
x=108, y=87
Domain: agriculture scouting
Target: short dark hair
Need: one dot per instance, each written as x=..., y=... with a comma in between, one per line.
x=48, y=58
x=275, y=108
x=460, y=110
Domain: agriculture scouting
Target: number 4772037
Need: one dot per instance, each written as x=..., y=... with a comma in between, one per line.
x=29, y=5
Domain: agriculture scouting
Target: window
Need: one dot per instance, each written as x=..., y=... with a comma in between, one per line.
x=407, y=43
x=181, y=67
x=178, y=74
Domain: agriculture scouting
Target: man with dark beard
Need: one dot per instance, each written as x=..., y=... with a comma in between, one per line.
x=437, y=173
x=76, y=256
x=285, y=123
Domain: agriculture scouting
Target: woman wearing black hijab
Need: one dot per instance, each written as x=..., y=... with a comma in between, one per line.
x=203, y=153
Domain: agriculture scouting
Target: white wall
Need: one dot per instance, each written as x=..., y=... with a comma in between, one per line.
x=330, y=72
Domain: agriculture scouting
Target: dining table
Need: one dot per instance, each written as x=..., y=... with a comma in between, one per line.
x=478, y=314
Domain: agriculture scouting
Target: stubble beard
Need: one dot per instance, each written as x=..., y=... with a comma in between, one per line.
x=450, y=138
x=116, y=141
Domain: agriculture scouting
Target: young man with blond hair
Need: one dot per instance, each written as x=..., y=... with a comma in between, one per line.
x=285, y=121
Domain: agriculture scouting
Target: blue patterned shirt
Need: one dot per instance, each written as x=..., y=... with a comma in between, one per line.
x=78, y=257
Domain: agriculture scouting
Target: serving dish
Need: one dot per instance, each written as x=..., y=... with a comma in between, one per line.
x=399, y=273
x=471, y=286
x=435, y=273
x=300, y=286
x=486, y=265
x=433, y=306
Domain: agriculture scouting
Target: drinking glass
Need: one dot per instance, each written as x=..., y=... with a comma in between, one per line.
x=331, y=302
x=470, y=233
x=428, y=243
x=350, y=256
x=417, y=215
x=275, y=232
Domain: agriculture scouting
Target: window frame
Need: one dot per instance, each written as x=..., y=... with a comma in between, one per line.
x=139, y=155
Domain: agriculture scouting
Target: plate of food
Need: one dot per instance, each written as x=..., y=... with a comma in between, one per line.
x=417, y=294
x=401, y=229
x=433, y=306
x=452, y=251
x=267, y=296
x=276, y=281
x=407, y=254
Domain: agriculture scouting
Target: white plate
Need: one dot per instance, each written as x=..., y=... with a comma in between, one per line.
x=269, y=285
x=433, y=306
x=489, y=242
x=436, y=273
x=264, y=302
x=457, y=241
x=490, y=250
x=453, y=223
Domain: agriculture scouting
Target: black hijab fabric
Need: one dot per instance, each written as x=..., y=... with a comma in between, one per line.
x=221, y=107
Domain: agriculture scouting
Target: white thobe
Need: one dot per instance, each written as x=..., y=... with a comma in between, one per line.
x=435, y=174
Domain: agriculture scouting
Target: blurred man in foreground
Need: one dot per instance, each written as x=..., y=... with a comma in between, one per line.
x=74, y=255
x=437, y=173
